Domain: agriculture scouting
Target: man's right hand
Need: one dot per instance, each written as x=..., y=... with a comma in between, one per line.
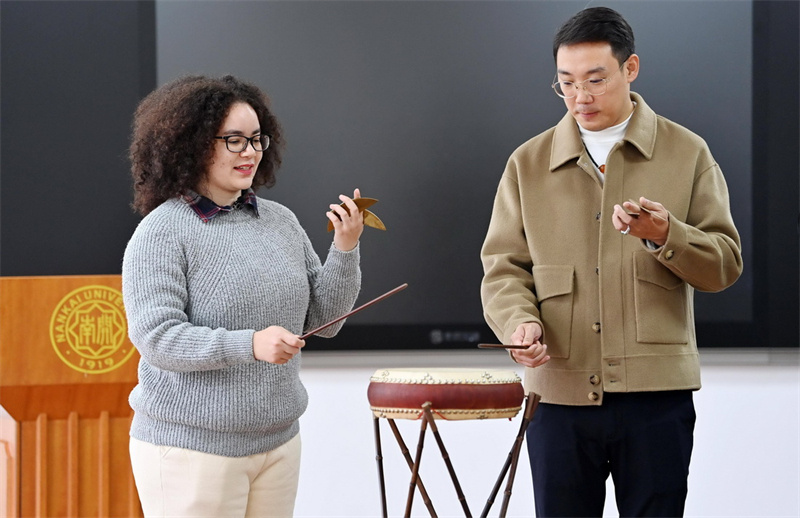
x=530, y=334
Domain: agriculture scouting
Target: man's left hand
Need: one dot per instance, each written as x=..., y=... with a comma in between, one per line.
x=649, y=220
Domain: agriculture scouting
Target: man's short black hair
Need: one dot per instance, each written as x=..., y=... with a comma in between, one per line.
x=597, y=24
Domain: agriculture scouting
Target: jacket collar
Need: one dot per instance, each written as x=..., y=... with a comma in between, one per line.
x=641, y=133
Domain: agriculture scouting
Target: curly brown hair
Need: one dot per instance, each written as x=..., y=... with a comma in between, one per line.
x=173, y=135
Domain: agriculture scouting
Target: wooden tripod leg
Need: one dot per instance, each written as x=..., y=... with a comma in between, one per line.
x=530, y=408
x=531, y=402
x=415, y=468
x=379, y=459
x=404, y=449
x=426, y=408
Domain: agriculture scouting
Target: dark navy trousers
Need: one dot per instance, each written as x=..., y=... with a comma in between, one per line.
x=643, y=440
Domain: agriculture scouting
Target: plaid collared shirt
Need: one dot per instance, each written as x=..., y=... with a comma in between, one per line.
x=207, y=209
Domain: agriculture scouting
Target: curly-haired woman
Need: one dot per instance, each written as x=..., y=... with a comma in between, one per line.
x=218, y=285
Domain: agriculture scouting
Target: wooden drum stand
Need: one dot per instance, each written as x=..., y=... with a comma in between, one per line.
x=451, y=394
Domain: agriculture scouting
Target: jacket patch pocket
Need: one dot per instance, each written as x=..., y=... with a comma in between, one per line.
x=554, y=286
x=660, y=298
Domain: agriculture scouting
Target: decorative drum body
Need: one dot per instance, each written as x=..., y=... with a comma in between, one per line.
x=454, y=394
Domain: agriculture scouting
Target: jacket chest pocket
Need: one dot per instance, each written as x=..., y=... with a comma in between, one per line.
x=554, y=285
x=660, y=298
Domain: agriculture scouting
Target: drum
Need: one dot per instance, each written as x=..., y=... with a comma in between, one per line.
x=454, y=394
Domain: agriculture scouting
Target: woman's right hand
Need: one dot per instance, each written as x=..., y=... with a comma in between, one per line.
x=276, y=345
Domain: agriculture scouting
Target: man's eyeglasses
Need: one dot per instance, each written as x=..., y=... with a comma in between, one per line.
x=570, y=89
x=238, y=143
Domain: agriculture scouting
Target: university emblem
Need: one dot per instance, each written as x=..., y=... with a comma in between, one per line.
x=88, y=330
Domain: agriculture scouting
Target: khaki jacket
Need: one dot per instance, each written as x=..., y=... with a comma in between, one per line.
x=617, y=316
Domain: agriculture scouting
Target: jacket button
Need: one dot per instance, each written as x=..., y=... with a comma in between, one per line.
x=594, y=379
x=596, y=327
x=597, y=216
x=669, y=254
x=597, y=270
x=594, y=396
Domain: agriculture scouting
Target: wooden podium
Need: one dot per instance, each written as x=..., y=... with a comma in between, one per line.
x=66, y=370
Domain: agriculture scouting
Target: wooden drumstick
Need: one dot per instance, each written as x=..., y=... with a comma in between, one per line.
x=359, y=308
x=501, y=346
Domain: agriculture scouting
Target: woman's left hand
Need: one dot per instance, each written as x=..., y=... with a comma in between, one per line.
x=347, y=226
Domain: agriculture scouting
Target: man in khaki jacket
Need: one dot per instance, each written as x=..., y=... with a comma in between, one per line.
x=602, y=227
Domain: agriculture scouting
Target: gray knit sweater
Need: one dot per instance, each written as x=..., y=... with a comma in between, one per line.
x=195, y=293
